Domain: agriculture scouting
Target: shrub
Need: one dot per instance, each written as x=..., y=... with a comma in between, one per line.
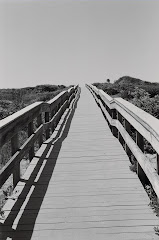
x=142, y=99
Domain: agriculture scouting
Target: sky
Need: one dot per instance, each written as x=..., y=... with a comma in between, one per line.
x=77, y=41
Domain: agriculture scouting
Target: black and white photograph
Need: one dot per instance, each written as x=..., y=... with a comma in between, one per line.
x=79, y=119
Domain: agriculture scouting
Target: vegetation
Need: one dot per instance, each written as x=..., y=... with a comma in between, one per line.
x=12, y=100
x=143, y=94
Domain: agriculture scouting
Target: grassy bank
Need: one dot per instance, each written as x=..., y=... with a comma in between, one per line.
x=144, y=95
x=12, y=100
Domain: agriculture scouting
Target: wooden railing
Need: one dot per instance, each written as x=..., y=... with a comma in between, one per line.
x=40, y=120
x=122, y=116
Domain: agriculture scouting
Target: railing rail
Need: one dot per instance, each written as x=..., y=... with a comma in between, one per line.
x=121, y=115
x=46, y=115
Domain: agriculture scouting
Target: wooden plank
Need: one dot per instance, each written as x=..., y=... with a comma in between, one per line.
x=39, y=122
x=47, y=118
x=14, y=148
x=127, y=127
x=9, y=126
x=141, y=158
x=140, y=172
x=85, y=195
x=30, y=132
x=7, y=170
x=144, y=122
x=119, y=117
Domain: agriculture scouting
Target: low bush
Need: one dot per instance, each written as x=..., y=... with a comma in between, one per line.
x=144, y=95
x=12, y=100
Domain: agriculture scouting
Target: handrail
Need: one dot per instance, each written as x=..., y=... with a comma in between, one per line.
x=46, y=115
x=121, y=115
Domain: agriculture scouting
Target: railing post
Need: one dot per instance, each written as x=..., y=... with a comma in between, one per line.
x=68, y=97
x=39, y=122
x=14, y=148
x=58, y=118
x=30, y=132
x=141, y=174
x=47, y=120
x=52, y=125
x=119, y=117
x=96, y=98
x=55, y=122
x=157, y=158
x=114, y=116
x=127, y=127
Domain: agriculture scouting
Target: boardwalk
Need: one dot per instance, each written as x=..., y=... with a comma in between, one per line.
x=81, y=187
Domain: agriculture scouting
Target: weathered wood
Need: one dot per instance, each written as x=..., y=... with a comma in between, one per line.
x=52, y=115
x=89, y=194
x=157, y=167
x=113, y=128
x=119, y=117
x=53, y=103
x=16, y=174
x=30, y=132
x=17, y=157
x=10, y=126
x=147, y=126
x=142, y=159
x=47, y=120
x=55, y=119
x=141, y=174
x=127, y=127
x=140, y=141
x=157, y=158
x=39, y=122
x=16, y=170
x=145, y=123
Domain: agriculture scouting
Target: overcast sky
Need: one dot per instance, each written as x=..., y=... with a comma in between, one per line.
x=78, y=41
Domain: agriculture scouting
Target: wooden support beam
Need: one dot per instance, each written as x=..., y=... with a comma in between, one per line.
x=157, y=158
x=18, y=156
x=127, y=127
x=30, y=132
x=52, y=114
x=140, y=141
x=113, y=128
x=39, y=122
x=14, y=148
x=141, y=121
x=119, y=117
x=47, y=120
x=141, y=174
x=10, y=126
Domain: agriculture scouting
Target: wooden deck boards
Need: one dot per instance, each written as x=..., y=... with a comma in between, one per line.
x=90, y=193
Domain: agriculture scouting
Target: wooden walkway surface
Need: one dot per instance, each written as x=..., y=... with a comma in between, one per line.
x=84, y=188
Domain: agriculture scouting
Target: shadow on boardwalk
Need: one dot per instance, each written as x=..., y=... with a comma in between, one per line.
x=21, y=220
